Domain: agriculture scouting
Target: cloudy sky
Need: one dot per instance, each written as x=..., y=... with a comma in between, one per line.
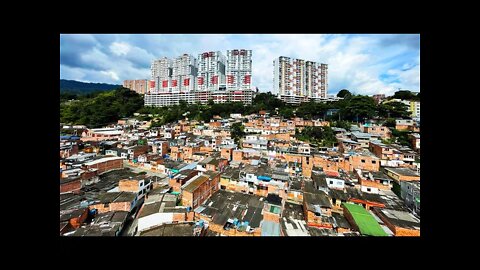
x=363, y=64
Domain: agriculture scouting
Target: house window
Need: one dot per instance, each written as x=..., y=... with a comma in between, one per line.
x=331, y=182
x=106, y=205
x=369, y=189
x=363, y=160
x=374, y=162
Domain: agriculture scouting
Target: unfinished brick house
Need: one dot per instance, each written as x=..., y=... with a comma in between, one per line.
x=198, y=189
x=104, y=164
x=115, y=201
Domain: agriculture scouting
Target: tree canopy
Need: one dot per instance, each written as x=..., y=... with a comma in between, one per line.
x=324, y=136
x=406, y=95
x=101, y=108
x=344, y=93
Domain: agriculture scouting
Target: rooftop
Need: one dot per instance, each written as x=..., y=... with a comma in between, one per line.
x=192, y=185
x=319, y=179
x=270, y=228
x=401, y=219
x=341, y=221
x=176, y=229
x=365, y=221
x=274, y=199
x=403, y=171
x=66, y=215
x=224, y=205
x=100, y=160
x=293, y=220
x=314, y=201
x=321, y=232
x=113, y=197
x=111, y=216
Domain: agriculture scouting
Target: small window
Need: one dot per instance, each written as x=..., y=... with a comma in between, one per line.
x=369, y=189
x=106, y=205
x=331, y=182
x=374, y=162
x=363, y=160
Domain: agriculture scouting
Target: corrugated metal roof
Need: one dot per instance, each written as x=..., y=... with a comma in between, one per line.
x=270, y=228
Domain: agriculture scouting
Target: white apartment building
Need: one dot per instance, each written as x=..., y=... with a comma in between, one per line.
x=239, y=69
x=211, y=71
x=184, y=72
x=161, y=74
x=199, y=80
x=297, y=80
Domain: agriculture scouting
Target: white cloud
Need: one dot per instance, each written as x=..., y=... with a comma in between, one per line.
x=120, y=48
x=356, y=62
x=112, y=74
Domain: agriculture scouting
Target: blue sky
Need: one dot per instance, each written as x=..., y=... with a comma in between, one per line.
x=361, y=63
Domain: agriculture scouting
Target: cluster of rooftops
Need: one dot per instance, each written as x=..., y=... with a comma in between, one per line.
x=198, y=181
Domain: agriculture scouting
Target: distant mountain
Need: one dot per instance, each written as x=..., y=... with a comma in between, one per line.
x=81, y=87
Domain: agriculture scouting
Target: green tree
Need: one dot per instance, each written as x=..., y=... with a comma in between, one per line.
x=344, y=93
x=286, y=112
x=393, y=109
x=358, y=108
x=99, y=109
x=237, y=132
x=341, y=124
x=390, y=122
x=324, y=136
x=406, y=95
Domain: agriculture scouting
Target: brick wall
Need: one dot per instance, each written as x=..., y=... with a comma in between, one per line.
x=267, y=216
x=327, y=165
x=187, y=198
x=226, y=153
x=368, y=183
x=188, y=151
x=307, y=165
x=128, y=185
x=237, y=155
x=293, y=158
x=116, y=206
x=398, y=231
x=106, y=166
x=283, y=136
x=369, y=164
x=73, y=186
x=385, y=133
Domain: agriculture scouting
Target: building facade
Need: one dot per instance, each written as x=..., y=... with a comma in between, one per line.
x=211, y=71
x=297, y=80
x=239, y=69
x=139, y=86
x=197, y=80
x=161, y=74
